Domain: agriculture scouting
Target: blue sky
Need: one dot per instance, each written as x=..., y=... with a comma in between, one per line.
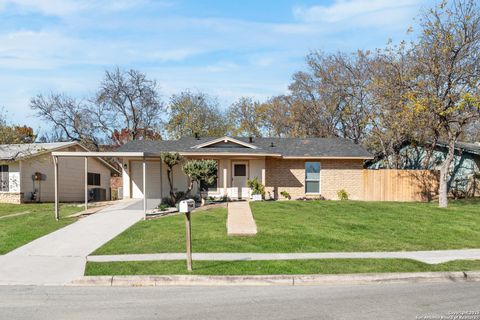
x=227, y=49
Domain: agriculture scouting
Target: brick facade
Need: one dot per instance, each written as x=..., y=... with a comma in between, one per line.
x=289, y=175
x=11, y=197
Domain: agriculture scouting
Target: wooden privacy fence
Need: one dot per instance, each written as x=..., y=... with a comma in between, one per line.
x=399, y=185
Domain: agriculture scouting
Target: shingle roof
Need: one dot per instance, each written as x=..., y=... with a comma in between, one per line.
x=287, y=147
x=464, y=146
x=17, y=151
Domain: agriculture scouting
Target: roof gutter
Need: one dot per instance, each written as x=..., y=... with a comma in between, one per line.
x=328, y=157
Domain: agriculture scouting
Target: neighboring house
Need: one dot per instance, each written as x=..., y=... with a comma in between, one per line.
x=464, y=176
x=27, y=173
x=302, y=167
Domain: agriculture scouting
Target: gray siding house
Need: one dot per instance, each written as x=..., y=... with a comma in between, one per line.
x=464, y=176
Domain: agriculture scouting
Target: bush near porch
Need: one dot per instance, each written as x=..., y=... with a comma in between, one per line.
x=314, y=226
x=33, y=221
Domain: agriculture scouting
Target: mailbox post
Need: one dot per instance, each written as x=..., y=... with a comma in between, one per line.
x=186, y=206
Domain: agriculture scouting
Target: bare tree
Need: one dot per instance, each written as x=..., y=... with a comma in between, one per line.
x=70, y=116
x=128, y=103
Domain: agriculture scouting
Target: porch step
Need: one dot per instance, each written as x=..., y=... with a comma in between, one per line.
x=240, y=220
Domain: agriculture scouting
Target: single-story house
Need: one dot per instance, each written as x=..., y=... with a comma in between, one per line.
x=27, y=174
x=310, y=167
x=464, y=174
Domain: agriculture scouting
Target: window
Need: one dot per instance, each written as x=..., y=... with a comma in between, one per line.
x=4, y=184
x=240, y=170
x=93, y=179
x=312, y=177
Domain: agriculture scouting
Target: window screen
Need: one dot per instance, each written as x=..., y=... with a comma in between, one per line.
x=4, y=177
x=312, y=177
x=240, y=170
x=94, y=179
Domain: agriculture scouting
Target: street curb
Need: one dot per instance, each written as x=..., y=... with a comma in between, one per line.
x=276, y=280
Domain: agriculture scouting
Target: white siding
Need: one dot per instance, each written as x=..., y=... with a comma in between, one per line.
x=126, y=179
x=152, y=179
x=256, y=167
x=157, y=185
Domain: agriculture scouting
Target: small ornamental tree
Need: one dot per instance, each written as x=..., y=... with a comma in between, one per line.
x=171, y=160
x=200, y=170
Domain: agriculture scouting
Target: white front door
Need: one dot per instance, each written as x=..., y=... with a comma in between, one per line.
x=239, y=179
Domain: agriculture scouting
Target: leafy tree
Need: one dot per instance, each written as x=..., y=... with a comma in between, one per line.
x=447, y=60
x=11, y=134
x=276, y=117
x=331, y=98
x=200, y=170
x=195, y=113
x=246, y=118
x=171, y=160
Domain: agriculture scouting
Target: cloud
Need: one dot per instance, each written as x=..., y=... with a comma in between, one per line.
x=363, y=12
x=63, y=8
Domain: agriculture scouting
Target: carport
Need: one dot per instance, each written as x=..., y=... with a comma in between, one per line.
x=140, y=157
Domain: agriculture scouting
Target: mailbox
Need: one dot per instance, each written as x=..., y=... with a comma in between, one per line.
x=186, y=205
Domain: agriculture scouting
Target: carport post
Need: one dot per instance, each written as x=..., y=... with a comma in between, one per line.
x=86, y=183
x=144, y=167
x=55, y=162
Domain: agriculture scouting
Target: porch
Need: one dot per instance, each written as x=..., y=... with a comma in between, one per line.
x=232, y=176
x=145, y=176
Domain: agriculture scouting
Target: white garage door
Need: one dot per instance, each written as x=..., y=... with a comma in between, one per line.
x=153, y=179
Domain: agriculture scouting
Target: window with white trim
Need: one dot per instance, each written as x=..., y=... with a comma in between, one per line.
x=312, y=177
x=4, y=178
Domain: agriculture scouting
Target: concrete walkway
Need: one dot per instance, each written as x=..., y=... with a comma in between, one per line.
x=59, y=257
x=240, y=220
x=431, y=257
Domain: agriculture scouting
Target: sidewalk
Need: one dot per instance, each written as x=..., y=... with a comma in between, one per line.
x=59, y=257
x=240, y=220
x=431, y=257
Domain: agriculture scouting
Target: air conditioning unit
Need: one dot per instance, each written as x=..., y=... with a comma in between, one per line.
x=98, y=194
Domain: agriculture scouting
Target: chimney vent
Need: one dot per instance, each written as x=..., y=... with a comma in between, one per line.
x=272, y=144
x=250, y=139
x=197, y=136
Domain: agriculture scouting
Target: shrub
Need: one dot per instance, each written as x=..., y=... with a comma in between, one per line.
x=256, y=186
x=342, y=194
x=162, y=206
x=286, y=195
x=168, y=201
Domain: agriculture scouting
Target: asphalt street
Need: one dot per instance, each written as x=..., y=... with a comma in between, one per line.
x=377, y=301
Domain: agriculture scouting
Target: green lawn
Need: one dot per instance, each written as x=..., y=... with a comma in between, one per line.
x=314, y=226
x=325, y=266
x=37, y=221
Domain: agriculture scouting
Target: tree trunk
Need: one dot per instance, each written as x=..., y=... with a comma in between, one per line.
x=170, y=182
x=443, y=189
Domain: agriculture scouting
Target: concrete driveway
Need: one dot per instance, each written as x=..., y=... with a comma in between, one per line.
x=59, y=257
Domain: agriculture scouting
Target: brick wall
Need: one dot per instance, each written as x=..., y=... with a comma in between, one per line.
x=11, y=197
x=342, y=174
x=289, y=175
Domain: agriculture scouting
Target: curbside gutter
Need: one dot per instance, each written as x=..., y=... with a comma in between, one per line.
x=276, y=280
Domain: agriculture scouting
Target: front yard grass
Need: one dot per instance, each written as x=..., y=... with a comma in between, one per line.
x=35, y=221
x=323, y=266
x=313, y=226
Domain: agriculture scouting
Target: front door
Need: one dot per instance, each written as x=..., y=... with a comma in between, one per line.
x=239, y=179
